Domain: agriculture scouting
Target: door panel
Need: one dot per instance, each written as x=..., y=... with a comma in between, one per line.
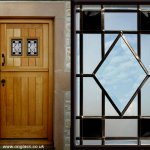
x=26, y=99
x=24, y=104
x=20, y=31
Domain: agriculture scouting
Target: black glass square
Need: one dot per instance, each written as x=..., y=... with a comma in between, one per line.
x=92, y=128
x=145, y=127
x=91, y=20
x=145, y=21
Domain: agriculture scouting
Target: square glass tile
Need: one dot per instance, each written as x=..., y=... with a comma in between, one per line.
x=92, y=128
x=145, y=127
x=16, y=47
x=91, y=20
x=32, y=45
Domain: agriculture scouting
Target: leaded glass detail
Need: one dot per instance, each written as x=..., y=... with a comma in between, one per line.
x=121, y=73
x=16, y=47
x=32, y=47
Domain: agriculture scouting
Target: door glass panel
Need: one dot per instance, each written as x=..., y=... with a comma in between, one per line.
x=109, y=109
x=16, y=47
x=145, y=95
x=91, y=52
x=91, y=20
x=145, y=130
x=120, y=82
x=145, y=50
x=120, y=7
x=110, y=38
x=91, y=98
x=77, y=53
x=77, y=96
x=92, y=128
x=92, y=142
x=121, y=142
x=118, y=21
x=121, y=127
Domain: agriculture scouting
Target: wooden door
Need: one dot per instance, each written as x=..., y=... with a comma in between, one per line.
x=26, y=71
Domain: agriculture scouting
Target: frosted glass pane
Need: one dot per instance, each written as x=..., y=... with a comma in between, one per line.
x=91, y=52
x=110, y=38
x=77, y=98
x=145, y=96
x=77, y=21
x=109, y=109
x=92, y=142
x=77, y=128
x=77, y=54
x=120, y=21
x=121, y=127
x=121, y=142
x=132, y=110
x=145, y=50
x=91, y=7
x=120, y=7
x=91, y=98
x=145, y=142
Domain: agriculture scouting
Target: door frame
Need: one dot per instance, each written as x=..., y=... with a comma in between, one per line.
x=47, y=10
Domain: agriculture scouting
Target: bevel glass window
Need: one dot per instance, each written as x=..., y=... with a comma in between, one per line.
x=16, y=47
x=97, y=30
x=32, y=47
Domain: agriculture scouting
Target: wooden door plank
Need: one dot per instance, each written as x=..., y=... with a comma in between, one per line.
x=3, y=103
x=32, y=98
x=25, y=101
x=45, y=103
x=39, y=61
x=32, y=35
x=45, y=45
x=10, y=60
x=24, y=34
x=17, y=60
x=10, y=103
x=17, y=101
x=39, y=100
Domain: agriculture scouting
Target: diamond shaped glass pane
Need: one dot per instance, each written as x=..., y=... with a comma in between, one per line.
x=121, y=73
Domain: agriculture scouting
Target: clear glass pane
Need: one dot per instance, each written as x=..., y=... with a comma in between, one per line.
x=91, y=52
x=122, y=81
x=77, y=53
x=77, y=21
x=121, y=142
x=92, y=142
x=133, y=108
x=77, y=100
x=120, y=21
x=91, y=20
x=121, y=127
x=109, y=109
x=145, y=50
x=91, y=98
x=91, y=7
x=145, y=96
x=110, y=38
x=130, y=7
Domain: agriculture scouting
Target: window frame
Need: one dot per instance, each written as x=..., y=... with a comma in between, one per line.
x=73, y=66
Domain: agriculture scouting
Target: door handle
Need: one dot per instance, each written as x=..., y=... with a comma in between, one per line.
x=3, y=59
x=3, y=81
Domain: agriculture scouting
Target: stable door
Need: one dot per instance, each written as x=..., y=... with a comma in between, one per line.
x=26, y=79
